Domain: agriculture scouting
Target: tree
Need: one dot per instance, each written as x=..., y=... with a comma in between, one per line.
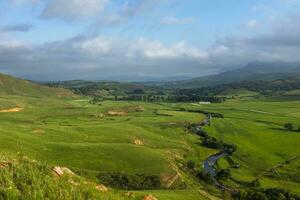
x=299, y=129
x=255, y=183
x=224, y=174
x=289, y=127
x=191, y=165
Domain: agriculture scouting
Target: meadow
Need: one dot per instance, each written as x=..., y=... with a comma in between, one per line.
x=148, y=139
x=256, y=127
x=84, y=137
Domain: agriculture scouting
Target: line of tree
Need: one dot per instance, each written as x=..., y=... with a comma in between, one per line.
x=171, y=98
x=209, y=141
x=208, y=114
x=130, y=182
x=268, y=194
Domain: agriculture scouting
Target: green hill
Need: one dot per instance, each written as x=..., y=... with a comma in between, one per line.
x=14, y=86
x=138, y=145
x=143, y=147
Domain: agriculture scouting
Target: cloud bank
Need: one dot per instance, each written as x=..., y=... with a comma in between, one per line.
x=100, y=55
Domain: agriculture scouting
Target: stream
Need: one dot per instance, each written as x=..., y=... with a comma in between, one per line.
x=210, y=162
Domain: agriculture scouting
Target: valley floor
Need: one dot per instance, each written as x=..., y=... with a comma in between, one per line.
x=150, y=138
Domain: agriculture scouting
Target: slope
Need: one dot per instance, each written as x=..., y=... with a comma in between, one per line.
x=14, y=86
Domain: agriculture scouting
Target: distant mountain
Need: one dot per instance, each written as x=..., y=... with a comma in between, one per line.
x=285, y=86
x=13, y=86
x=266, y=71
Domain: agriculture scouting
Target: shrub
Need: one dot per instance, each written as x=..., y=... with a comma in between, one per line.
x=224, y=174
x=229, y=148
x=289, y=127
x=130, y=182
x=255, y=183
x=268, y=194
x=206, y=177
x=212, y=142
x=250, y=195
x=191, y=165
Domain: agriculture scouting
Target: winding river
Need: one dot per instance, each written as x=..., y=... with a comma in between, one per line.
x=210, y=162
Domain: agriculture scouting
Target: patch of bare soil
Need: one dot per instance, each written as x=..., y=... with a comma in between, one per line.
x=11, y=110
x=38, y=131
x=138, y=142
x=149, y=197
x=116, y=113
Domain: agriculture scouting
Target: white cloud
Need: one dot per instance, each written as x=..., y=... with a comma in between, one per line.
x=156, y=50
x=138, y=48
x=73, y=9
x=97, y=57
x=252, y=24
x=128, y=10
x=177, y=21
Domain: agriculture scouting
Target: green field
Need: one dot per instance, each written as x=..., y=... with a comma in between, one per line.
x=57, y=128
x=83, y=137
x=256, y=127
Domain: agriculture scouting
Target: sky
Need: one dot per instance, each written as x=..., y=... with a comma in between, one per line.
x=104, y=39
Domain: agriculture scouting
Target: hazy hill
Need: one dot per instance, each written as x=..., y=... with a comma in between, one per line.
x=254, y=71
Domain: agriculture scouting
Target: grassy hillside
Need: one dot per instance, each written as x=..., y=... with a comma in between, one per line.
x=23, y=178
x=123, y=138
x=14, y=86
x=77, y=136
x=256, y=127
x=146, y=144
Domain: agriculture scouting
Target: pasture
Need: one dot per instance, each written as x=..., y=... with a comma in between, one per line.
x=150, y=138
x=146, y=139
x=256, y=126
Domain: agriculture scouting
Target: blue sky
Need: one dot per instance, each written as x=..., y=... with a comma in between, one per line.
x=96, y=39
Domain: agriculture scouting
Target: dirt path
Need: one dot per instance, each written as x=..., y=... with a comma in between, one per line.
x=11, y=110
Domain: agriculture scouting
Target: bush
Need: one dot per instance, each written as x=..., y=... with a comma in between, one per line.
x=289, y=127
x=278, y=194
x=269, y=194
x=250, y=195
x=212, y=142
x=191, y=165
x=255, y=183
x=224, y=174
x=130, y=182
x=206, y=177
x=229, y=148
